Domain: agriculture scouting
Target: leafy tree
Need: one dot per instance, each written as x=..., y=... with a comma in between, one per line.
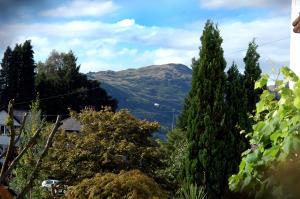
x=173, y=150
x=127, y=184
x=11, y=159
x=205, y=162
x=109, y=142
x=269, y=169
x=27, y=162
x=60, y=76
x=251, y=75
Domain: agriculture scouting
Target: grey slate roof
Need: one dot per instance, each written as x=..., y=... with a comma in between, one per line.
x=70, y=124
x=19, y=114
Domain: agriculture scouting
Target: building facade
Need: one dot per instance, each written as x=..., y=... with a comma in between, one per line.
x=295, y=39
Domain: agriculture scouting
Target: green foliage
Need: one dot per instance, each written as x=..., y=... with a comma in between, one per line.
x=28, y=161
x=17, y=75
x=191, y=191
x=109, y=142
x=138, y=89
x=60, y=76
x=125, y=185
x=205, y=162
x=183, y=117
x=174, y=150
x=269, y=168
x=252, y=74
x=236, y=118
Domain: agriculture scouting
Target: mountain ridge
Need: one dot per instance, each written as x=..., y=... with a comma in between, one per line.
x=139, y=89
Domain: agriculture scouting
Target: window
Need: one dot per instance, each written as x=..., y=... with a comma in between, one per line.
x=2, y=129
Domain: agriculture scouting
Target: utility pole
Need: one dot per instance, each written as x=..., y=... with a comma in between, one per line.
x=173, y=118
x=295, y=39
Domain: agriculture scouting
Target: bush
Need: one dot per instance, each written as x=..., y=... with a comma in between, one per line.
x=270, y=168
x=109, y=142
x=191, y=191
x=125, y=185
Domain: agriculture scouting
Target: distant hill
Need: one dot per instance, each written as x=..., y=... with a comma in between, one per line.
x=139, y=89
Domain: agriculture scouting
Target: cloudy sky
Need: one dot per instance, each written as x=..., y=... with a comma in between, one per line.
x=120, y=34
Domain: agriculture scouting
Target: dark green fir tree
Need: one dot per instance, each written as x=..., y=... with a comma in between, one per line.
x=205, y=162
x=17, y=75
x=181, y=122
x=26, y=76
x=236, y=118
x=5, y=66
x=9, y=74
x=251, y=75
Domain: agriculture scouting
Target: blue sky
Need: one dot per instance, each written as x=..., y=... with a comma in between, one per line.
x=121, y=34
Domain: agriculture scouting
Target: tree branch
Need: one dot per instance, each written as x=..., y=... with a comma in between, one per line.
x=10, y=124
x=22, y=127
x=30, y=143
x=38, y=163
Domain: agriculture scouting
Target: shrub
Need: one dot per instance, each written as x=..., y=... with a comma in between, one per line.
x=269, y=168
x=125, y=185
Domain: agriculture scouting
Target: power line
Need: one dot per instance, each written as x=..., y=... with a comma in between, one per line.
x=54, y=96
x=263, y=44
x=152, y=112
x=85, y=90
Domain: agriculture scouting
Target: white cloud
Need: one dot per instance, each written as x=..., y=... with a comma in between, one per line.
x=82, y=8
x=127, y=44
x=272, y=37
x=126, y=23
x=167, y=55
x=243, y=3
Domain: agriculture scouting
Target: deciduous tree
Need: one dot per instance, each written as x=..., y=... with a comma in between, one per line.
x=109, y=142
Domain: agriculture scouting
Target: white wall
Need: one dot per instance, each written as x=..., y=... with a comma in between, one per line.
x=3, y=118
x=295, y=40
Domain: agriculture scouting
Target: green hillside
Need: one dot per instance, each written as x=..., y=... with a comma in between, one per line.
x=139, y=89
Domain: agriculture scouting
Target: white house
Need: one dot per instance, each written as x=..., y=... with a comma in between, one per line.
x=295, y=40
x=4, y=137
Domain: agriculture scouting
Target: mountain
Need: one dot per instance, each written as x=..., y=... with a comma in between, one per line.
x=154, y=92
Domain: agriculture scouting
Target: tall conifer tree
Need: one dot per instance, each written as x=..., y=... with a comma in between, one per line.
x=10, y=74
x=252, y=74
x=236, y=118
x=5, y=66
x=17, y=75
x=205, y=163
x=26, y=75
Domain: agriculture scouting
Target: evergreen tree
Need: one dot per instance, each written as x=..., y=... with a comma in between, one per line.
x=10, y=74
x=17, y=75
x=236, y=118
x=205, y=163
x=26, y=75
x=181, y=122
x=5, y=66
x=251, y=75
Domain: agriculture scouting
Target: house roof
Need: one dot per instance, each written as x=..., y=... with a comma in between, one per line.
x=70, y=124
x=19, y=114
